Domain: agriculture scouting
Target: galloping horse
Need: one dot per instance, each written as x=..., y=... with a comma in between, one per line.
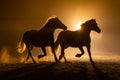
x=78, y=38
x=42, y=38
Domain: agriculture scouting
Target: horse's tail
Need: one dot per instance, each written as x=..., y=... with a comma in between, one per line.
x=21, y=47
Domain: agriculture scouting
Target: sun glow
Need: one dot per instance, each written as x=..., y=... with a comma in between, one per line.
x=78, y=26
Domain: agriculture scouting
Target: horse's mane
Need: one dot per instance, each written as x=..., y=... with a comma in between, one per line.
x=85, y=23
x=49, y=19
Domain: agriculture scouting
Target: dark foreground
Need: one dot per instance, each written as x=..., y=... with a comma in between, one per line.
x=62, y=71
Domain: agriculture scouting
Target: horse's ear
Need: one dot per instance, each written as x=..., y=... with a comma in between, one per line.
x=54, y=16
x=93, y=19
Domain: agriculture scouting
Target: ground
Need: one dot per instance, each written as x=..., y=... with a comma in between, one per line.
x=73, y=70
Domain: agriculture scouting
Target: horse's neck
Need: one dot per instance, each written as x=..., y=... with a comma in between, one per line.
x=47, y=30
x=84, y=31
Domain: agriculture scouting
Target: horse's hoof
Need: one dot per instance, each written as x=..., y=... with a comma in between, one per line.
x=57, y=61
x=35, y=63
x=40, y=56
x=78, y=55
x=67, y=62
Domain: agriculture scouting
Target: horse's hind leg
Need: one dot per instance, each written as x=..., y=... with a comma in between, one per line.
x=29, y=54
x=79, y=55
x=44, y=51
x=27, y=57
x=65, y=58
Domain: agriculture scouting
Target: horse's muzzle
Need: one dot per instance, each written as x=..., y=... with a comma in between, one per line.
x=99, y=31
x=65, y=29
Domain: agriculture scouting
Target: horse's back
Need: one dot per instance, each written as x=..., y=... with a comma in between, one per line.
x=30, y=33
x=71, y=34
x=37, y=38
x=73, y=38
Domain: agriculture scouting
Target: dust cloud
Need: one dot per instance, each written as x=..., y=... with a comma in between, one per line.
x=5, y=57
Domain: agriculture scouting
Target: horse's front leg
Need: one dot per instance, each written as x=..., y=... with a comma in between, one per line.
x=89, y=52
x=55, y=57
x=79, y=55
x=62, y=54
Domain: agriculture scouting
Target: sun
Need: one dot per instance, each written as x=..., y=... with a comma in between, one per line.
x=78, y=26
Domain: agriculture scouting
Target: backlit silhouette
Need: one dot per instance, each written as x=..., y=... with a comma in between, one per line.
x=78, y=38
x=41, y=38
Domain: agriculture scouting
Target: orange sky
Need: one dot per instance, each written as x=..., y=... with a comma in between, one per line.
x=18, y=16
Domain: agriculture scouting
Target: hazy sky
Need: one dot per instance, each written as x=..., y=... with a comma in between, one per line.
x=18, y=16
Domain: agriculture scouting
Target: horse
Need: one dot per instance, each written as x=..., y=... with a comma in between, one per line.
x=41, y=38
x=78, y=38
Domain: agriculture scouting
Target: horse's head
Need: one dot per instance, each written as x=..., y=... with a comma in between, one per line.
x=93, y=25
x=58, y=24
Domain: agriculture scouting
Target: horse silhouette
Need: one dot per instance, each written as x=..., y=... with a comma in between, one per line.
x=78, y=38
x=41, y=38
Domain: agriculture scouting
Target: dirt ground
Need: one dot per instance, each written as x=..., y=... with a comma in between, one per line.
x=75, y=70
